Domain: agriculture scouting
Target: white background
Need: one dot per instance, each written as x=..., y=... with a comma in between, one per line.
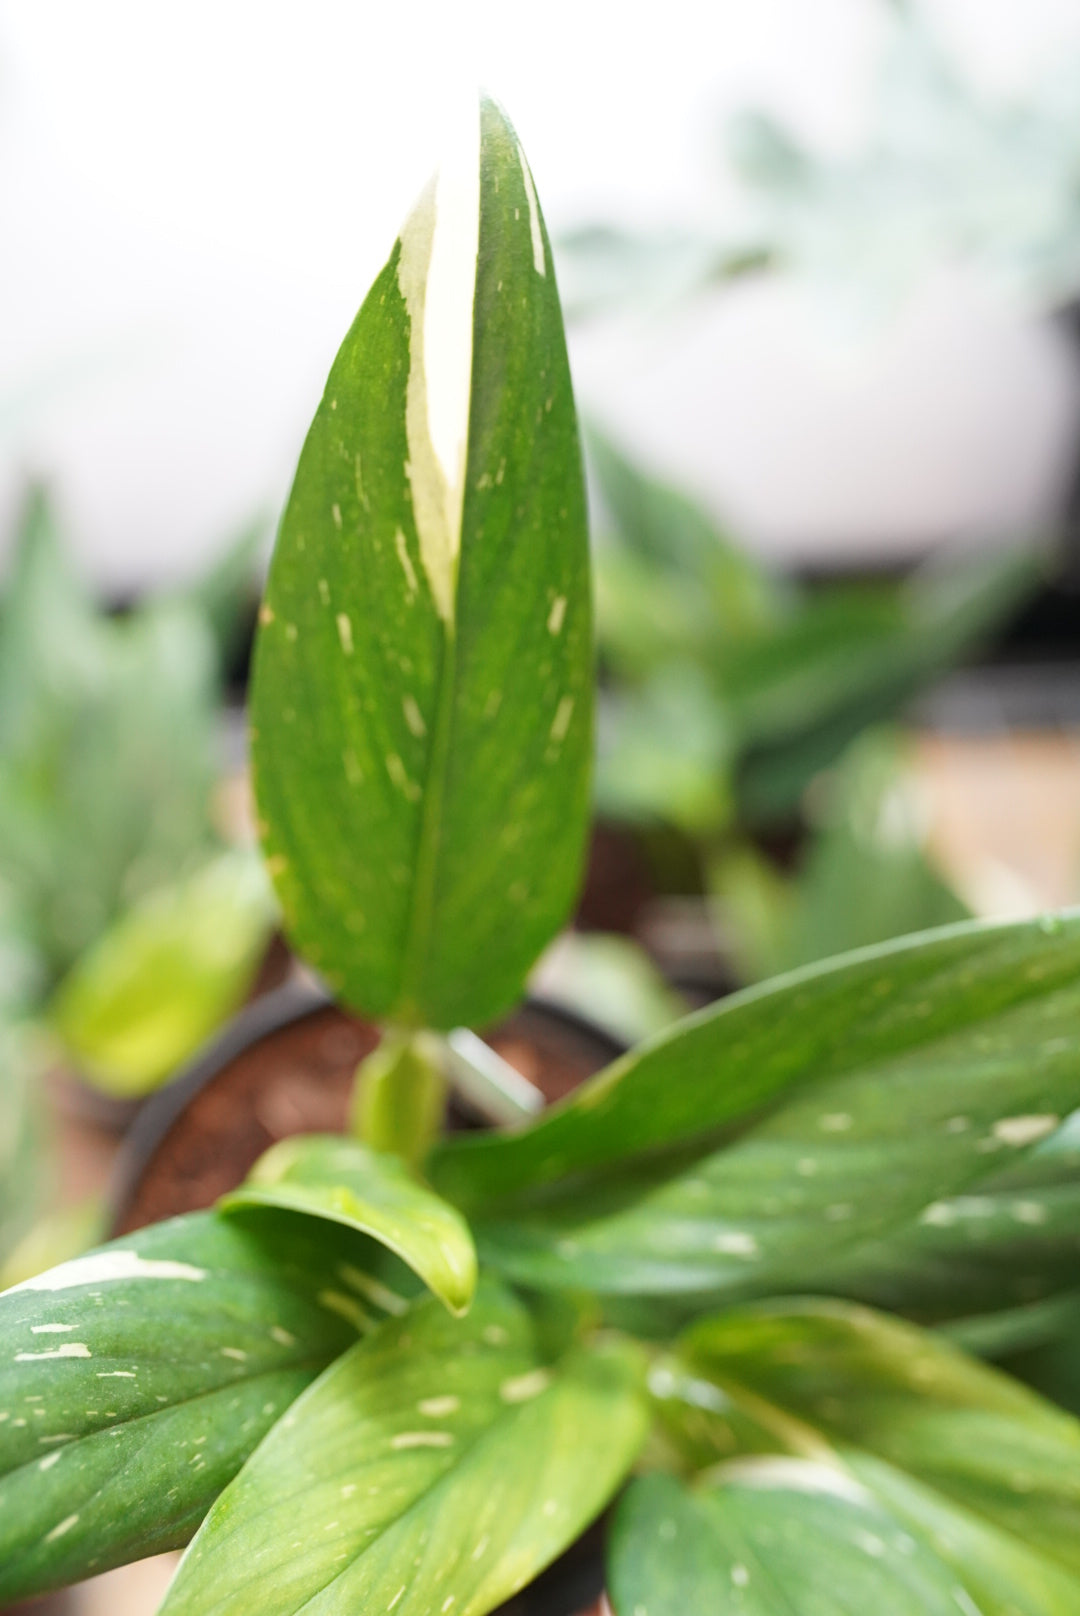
x=193, y=199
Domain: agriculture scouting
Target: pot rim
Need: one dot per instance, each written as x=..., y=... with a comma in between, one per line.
x=285, y=1006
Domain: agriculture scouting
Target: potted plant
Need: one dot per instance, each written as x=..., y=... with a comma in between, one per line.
x=398, y=1372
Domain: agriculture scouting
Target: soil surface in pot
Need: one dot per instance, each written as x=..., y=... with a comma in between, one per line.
x=298, y=1079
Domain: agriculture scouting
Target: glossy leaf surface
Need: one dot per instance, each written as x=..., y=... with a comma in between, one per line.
x=135, y=1381
x=423, y=677
x=771, y=1538
x=919, y=1064
x=868, y=1382
x=439, y=1466
x=330, y=1177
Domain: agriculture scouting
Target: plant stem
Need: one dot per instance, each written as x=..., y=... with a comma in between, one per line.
x=399, y=1096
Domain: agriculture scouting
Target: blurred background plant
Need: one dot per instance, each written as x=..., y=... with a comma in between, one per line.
x=132, y=920
x=737, y=721
x=945, y=172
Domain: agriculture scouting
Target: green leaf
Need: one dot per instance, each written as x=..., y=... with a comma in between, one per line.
x=665, y=756
x=24, y=1174
x=771, y=1538
x=844, y=1160
x=227, y=593
x=112, y=796
x=611, y=981
x=1002, y=1574
x=330, y=1177
x=865, y=878
x=868, y=1382
x=853, y=658
x=50, y=641
x=1011, y=1243
x=972, y=1022
x=423, y=675
x=668, y=531
x=165, y=976
x=437, y=1467
x=135, y=1381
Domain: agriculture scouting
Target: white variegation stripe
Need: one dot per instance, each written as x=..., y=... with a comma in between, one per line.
x=539, y=262
x=437, y=277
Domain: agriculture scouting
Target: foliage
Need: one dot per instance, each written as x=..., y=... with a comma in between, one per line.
x=140, y=932
x=864, y=876
x=361, y=1417
x=755, y=683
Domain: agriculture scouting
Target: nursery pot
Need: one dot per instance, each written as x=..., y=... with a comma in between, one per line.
x=285, y=1066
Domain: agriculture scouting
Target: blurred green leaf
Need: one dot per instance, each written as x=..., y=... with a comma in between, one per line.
x=1015, y=1241
x=422, y=701
x=160, y=981
x=675, y=535
x=60, y=1233
x=870, y=1383
x=664, y=756
x=611, y=981
x=770, y=1539
x=51, y=641
x=865, y=877
x=326, y=1176
x=24, y=1163
x=227, y=594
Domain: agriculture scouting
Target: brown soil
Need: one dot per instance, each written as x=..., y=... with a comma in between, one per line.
x=298, y=1080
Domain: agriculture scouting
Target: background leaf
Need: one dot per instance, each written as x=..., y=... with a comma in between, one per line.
x=326, y=1176
x=422, y=696
x=134, y=1381
x=165, y=975
x=864, y=877
x=437, y=1467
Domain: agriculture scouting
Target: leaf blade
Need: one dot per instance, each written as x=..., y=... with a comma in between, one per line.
x=326, y=1176
x=418, y=1457
x=770, y=1539
x=118, y=1369
x=724, y=1066
x=434, y=624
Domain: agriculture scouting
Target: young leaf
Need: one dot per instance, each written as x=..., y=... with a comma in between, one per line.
x=327, y=1176
x=422, y=692
x=161, y=980
x=972, y=1023
x=438, y=1467
x=135, y=1381
x=771, y=1538
x=868, y=1382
